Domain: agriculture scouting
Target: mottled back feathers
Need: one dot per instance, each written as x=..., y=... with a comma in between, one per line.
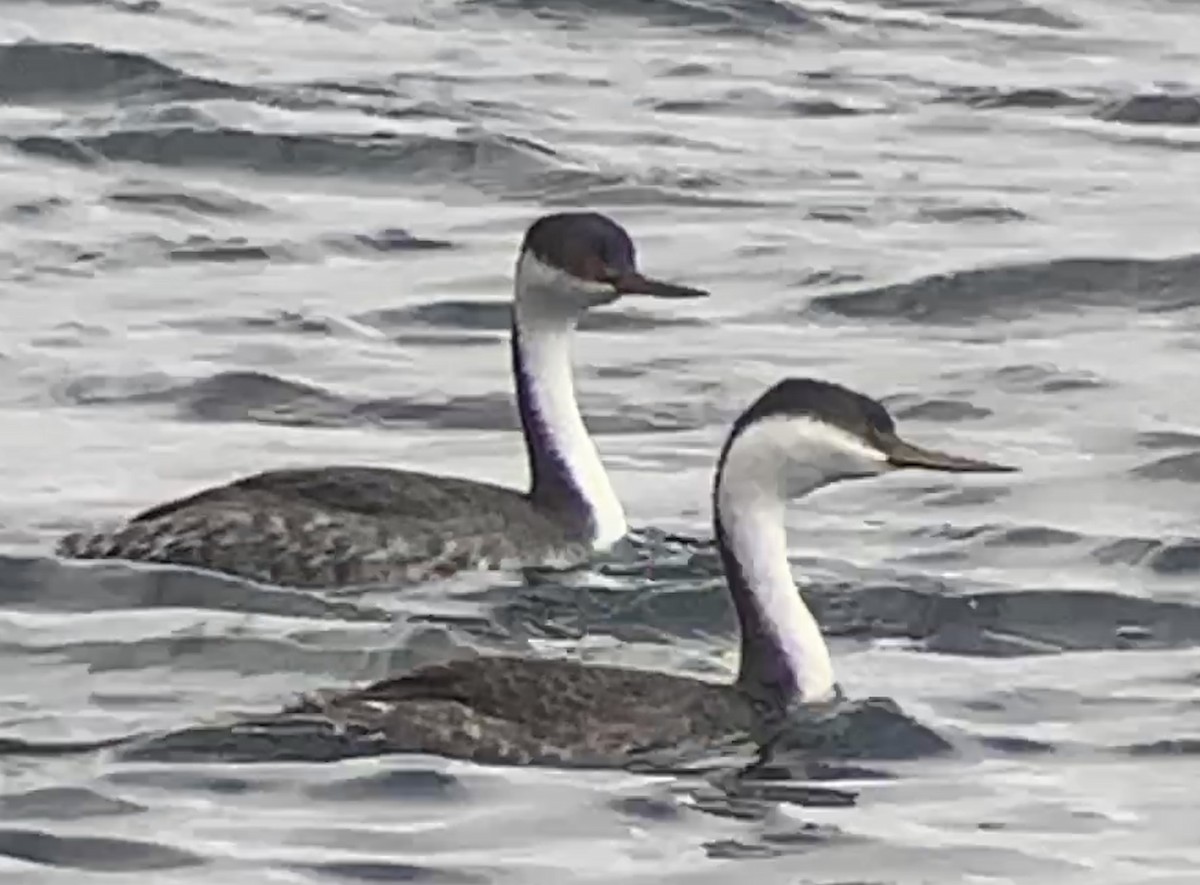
x=535, y=711
x=336, y=526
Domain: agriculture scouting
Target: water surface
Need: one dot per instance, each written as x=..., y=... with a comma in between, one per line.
x=235, y=236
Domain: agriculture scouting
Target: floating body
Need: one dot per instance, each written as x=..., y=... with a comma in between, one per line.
x=799, y=436
x=345, y=525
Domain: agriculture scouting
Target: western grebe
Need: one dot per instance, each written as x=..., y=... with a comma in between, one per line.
x=344, y=525
x=800, y=435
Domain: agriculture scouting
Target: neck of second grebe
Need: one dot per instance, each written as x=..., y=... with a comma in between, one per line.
x=566, y=473
x=784, y=658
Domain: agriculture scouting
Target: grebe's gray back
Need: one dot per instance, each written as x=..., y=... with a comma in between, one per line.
x=342, y=525
x=800, y=435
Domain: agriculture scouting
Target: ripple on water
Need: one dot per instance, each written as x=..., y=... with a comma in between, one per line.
x=1153, y=109
x=505, y=165
x=1017, y=12
x=1045, y=378
x=93, y=853
x=31, y=70
x=1028, y=98
x=1140, y=109
x=409, y=784
x=382, y=154
x=1180, y=468
x=391, y=871
x=150, y=134
x=261, y=398
x=1018, y=291
x=31, y=209
x=54, y=585
x=751, y=102
x=64, y=803
x=910, y=407
x=743, y=18
x=53, y=257
x=1167, y=439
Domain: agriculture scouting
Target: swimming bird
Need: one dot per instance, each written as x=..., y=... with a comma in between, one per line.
x=800, y=435
x=333, y=526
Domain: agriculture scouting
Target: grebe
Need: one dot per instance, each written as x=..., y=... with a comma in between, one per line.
x=800, y=435
x=323, y=527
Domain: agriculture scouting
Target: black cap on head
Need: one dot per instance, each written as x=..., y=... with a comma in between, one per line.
x=577, y=241
x=857, y=415
x=825, y=401
x=593, y=247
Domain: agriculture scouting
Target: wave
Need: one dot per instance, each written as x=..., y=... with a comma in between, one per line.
x=1153, y=109
x=749, y=18
x=1019, y=291
x=92, y=853
x=262, y=398
x=1013, y=12
x=32, y=70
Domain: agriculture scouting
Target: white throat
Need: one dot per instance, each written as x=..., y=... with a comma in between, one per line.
x=772, y=460
x=546, y=312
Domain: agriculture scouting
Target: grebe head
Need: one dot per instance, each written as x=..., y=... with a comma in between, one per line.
x=804, y=433
x=572, y=261
x=798, y=436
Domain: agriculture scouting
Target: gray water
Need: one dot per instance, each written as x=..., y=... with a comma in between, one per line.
x=982, y=212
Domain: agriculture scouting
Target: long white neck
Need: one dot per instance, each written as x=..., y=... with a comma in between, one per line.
x=785, y=659
x=782, y=645
x=564, y=463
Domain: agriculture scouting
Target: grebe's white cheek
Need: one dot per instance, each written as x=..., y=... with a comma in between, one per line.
x=549, y=291
x=801, y=479
x=819, y=453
